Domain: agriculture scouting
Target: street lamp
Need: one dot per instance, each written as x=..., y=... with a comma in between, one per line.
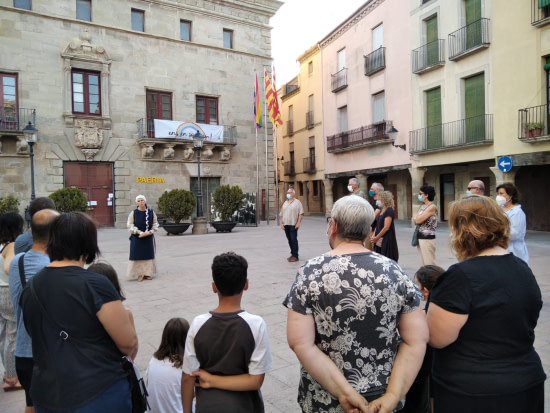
x=31, y=134
x=198, y=140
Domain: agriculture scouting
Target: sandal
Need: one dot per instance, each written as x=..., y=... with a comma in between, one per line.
x=140, y=278
x=147, y=277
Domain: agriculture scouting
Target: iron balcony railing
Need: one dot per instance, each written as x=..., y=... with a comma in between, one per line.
x=540, y=12
x=309, y=119
x=290, y=170
x=363, y=136
x=13, y=118
x=469, y=39
x=146, y=129
x=339, y=80
x=375, y=61
x=533, y=123
x=428, y=57
x=476, y=130
x=309, y=165
x=290, y=127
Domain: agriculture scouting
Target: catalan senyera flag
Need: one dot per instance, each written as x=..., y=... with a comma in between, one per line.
x=272, y=102
x=257, y=106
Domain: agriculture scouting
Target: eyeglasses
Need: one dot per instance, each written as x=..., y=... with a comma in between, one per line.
x=473, y=187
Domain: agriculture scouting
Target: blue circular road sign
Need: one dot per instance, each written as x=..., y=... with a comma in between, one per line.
x=505, y=163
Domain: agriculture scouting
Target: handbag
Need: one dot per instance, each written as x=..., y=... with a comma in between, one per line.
x=137, y=384
x=414, y=241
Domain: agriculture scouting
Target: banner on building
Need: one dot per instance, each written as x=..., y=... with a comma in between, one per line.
x=187, y=130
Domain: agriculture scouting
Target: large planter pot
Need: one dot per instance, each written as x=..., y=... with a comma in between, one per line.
x=176, y=229
x=223, y=226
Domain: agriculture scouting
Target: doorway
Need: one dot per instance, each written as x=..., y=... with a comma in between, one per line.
x=209, y=185
x=96, y=181
x=447, y=191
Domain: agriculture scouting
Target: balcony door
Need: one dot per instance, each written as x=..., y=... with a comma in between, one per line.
x=473, y=23
x=474, y=105
x=433, y=119
x=159, y=106
x=432, y=46
x=8, y=102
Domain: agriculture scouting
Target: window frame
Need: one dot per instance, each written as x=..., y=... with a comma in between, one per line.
x=141, y=14
x=379, y=105
x=79, y=7
x=9, y=122
x=86, y=92
x=207, y=117
x=228, y=36
x=189, y=24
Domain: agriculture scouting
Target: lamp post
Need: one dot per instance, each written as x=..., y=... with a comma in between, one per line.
x=199, y=223
x=198, y=139
x=31, y=134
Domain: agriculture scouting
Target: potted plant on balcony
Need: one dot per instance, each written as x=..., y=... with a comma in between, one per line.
x=176, y=205
x=533, y=129
x=226, y=201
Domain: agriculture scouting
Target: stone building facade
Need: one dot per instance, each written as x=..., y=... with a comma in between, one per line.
x=93, y=78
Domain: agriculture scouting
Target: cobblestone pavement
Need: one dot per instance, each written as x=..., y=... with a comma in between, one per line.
x=183, y=289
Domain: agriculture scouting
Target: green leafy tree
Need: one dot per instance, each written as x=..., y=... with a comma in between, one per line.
x=227, y=200
x=176, y=204
x=69, y=200
x=9, y=204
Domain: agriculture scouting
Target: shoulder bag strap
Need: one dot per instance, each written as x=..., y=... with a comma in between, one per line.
x=22, y=271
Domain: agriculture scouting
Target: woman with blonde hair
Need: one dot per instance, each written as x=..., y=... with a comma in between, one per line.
x=482, y=317
x=384, y=240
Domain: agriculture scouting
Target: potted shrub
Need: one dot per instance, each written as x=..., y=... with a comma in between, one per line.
x=226, y=201
x=176, y=205
x=69, y=200
x=533, y=129
x=9, y=204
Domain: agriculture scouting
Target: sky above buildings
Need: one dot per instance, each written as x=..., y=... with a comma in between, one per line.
x=299, y=25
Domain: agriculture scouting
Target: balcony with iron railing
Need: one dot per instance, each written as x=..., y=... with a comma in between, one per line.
x=310, y=121
x=533, y=124
x=289, y=168
x=146, y=129
x=290, y=127
x=368, y=135
x=13, y=118
x=477, y=130
x=428, y=57
x=375, y=61
x=339, y=80
x=540, y=12
x=309, y=165
x=469, y=39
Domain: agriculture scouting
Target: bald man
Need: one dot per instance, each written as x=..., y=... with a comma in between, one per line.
x=476, y=187
x=33, y=261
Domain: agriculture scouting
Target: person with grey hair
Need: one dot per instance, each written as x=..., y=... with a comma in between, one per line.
x=354, y=321
x=353, y=188
x=291, y=215
x=476, y=187
x=142, y=224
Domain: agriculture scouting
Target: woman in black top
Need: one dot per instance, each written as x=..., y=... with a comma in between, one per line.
x=482, y=317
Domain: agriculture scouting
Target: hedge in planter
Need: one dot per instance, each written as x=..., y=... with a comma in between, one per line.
x=176, y=204
x=69, y=200
x=227, y=200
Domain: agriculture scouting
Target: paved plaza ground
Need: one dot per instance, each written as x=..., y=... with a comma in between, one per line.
x=182, y=289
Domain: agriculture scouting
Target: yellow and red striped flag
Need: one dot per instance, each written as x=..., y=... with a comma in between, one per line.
x=272, y=101
x=257, y=106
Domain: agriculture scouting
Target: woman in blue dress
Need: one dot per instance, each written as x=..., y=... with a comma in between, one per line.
x=142, y=224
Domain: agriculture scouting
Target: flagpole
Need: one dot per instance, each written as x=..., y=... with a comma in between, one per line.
x=266, y=170
x=276, y=172
x=257, y=157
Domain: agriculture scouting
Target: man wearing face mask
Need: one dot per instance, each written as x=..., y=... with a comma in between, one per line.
x=353, y=188
x=476, y=187
x=291, y=215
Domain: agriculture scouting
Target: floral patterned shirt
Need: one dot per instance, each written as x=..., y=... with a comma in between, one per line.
x=356, y=300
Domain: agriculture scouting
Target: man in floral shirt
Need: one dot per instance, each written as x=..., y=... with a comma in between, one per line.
x=354, y=322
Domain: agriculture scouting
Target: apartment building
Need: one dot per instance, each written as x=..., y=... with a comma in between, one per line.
x=95, y=76
x=480, y=82
x=367, y=103
x=301, y=152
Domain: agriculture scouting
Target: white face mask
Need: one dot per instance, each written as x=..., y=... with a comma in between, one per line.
x=350, y=188
x=287, y=196
x=501, y=201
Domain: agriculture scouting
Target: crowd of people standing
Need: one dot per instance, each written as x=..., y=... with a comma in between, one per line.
x=355, y=320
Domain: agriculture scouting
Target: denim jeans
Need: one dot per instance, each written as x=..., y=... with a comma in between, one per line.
x=292, y=237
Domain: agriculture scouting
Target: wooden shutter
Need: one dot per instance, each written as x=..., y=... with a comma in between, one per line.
x=433, y=119
x=474, y=103
x=432, y=52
